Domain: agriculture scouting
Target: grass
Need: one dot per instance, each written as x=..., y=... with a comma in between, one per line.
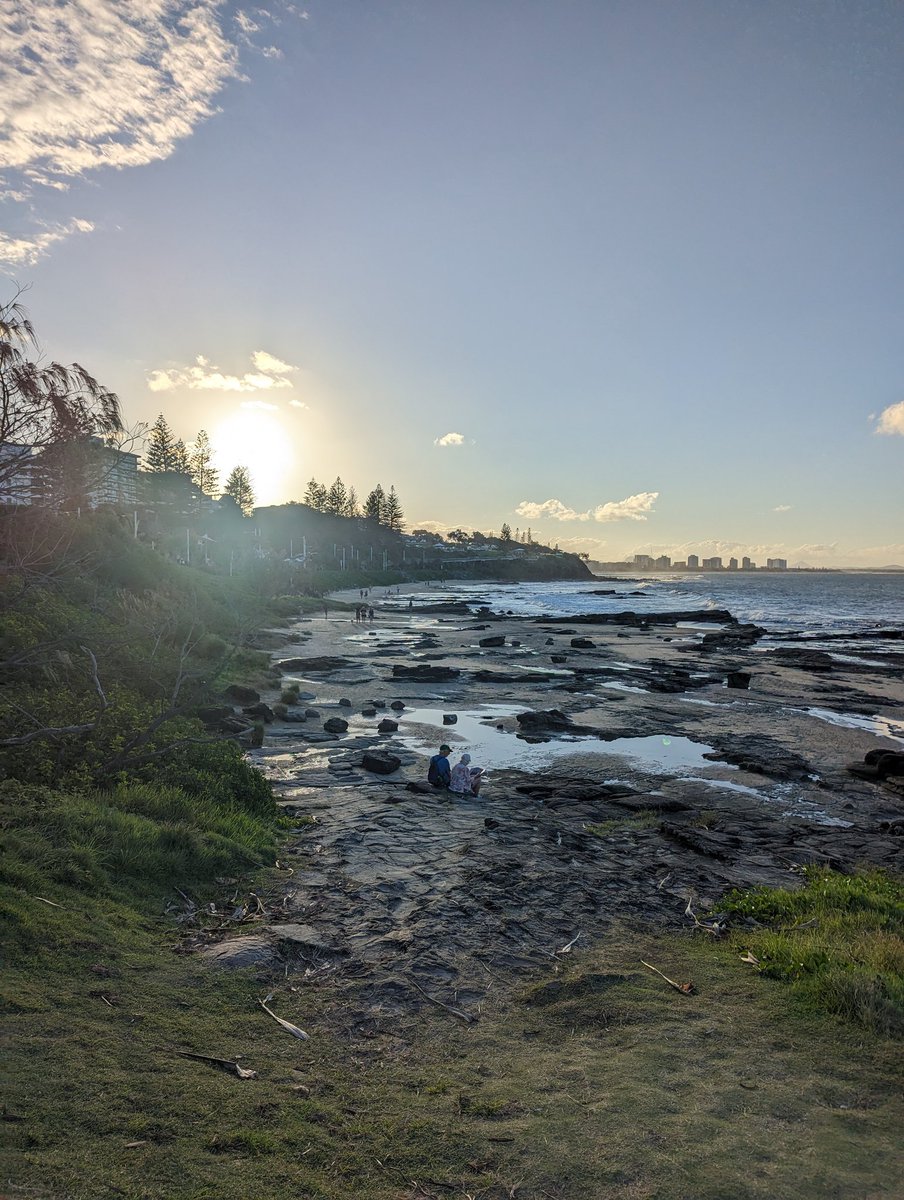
x=838, y=942
x=625, y=824
x=599, y=1081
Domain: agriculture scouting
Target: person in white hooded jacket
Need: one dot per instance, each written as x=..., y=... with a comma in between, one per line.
x=465, y=779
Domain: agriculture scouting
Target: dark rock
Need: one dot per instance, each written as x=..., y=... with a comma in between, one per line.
x=319, y=666
x=313, y=713
x=425, y=673
x=552, y=719
x=515, y=644
x=211, y=714
x=580, y=643
x=495, y=640
x=237, y=953
x=718, y=616
x=367, y=711
x=335, y=725
x=345, y=702
x=397, y=705
x=422, y=788
x=735, y=637
x=380, y=762
x=262, y=711
x=450, y=719
x=761, y=755
x=304, y=937
x=557, y=658
x=241, y=694
x=738, y=679
x=804, y=660
x=890, y=763
x=652, y=804
x=550, y=641
x=490, y=823
x=377, y=703
x=387, y=726
x=233, y=725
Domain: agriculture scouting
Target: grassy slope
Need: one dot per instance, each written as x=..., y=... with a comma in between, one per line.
x=601, y=1081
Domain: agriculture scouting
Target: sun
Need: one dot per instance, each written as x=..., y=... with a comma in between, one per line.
x=260, y=442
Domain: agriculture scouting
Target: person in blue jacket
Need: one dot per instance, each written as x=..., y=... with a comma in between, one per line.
x=439, y=773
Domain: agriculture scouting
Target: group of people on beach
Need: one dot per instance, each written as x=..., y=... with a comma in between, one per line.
x=364, y=612
x=461, y=780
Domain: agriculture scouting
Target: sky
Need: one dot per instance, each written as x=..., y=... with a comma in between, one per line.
x=626, y=272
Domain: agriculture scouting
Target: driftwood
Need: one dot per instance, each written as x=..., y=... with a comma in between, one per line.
x=221, y=1064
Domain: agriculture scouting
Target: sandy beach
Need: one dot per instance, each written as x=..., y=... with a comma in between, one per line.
x=641, y=788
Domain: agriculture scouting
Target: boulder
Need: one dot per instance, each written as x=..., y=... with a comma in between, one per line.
x=425, y=673
x=335, y=725
x=581, y=643
x=237, y=953
x=241, y=694
x=557, y=658
x=345, y=702
x=551, y=719
x=738, y=679
x=494, y=640
x=450, y=719
x=212, y=714
x=377, y=703
x=380, y=762
x=263, y=712
x=387, y=726
x=397, y=705
x=313, y=713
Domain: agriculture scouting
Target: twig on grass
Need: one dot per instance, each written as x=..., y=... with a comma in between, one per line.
x=468, y=1018
x=566, y=949
x=684, y=988
x=221, y=1064
x=287, y=1025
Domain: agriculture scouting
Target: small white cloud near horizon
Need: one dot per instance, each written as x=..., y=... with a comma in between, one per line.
x=298, y=404
x=780, y=508
x=205, y=376
x=260, y=405
x=449, y=439
x=891, y=420
x=632, y=508
x=25, y=251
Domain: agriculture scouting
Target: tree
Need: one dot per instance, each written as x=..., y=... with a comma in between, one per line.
x=315, y=496
x=44, y=404
x=458, y=536
x=392, y=511
x=506, y=532
x=352, y=509
x=180, y=458
x=161, y=447
x=203, y=473
x=336, y=498
x=239, y=488
x=375, y=504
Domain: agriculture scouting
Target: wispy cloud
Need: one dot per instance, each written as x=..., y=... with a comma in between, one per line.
x=891, y=419
x=104, y=83
x=782, y=508
x=298, y=404
x=632, y=508
x=450, y=439
x=259, y=405
x=24, y=251
x=206, y=376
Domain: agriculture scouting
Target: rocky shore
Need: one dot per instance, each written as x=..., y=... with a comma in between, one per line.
x=639, y=766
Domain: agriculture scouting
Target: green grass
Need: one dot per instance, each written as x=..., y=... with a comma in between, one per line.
x=623, y=824
x=838, y=942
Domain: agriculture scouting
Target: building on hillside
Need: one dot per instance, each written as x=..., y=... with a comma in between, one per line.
x=115, y=476
x=19, y=477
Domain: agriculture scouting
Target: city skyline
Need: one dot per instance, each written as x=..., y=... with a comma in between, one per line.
x=628, y=273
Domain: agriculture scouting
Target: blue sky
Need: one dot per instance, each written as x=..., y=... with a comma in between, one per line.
x=643, y=259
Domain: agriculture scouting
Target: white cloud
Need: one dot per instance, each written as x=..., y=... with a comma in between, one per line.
x=271, y=364
x=106, y=83
x=298, y=404
x=260, y=405
x=782, y=508
x=632, y=508
x=25, y=251
x=891, y=419
x=449, y=439
x=205, y=376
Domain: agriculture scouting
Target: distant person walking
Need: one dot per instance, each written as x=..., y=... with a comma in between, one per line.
x=370, y=613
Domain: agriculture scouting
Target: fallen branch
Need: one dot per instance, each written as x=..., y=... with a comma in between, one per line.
x=567, y=948
x=287, y=1025
x=456, y=1012
x=684, y=988
x=222, y=1064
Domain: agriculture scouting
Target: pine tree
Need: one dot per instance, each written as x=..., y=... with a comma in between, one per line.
x=392, y=511
x=159, y=456
x=375, y=504
x=351, y=504
x=336, y=498
x=238, y=486
x=315, y=496
x=204, y=475
x=506, y=532
x=179, y=458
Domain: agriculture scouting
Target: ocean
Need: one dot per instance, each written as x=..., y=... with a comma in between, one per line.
x=814, y=603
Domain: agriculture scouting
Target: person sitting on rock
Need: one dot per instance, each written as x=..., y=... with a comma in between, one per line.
x=465, y=779
x=439, y=773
